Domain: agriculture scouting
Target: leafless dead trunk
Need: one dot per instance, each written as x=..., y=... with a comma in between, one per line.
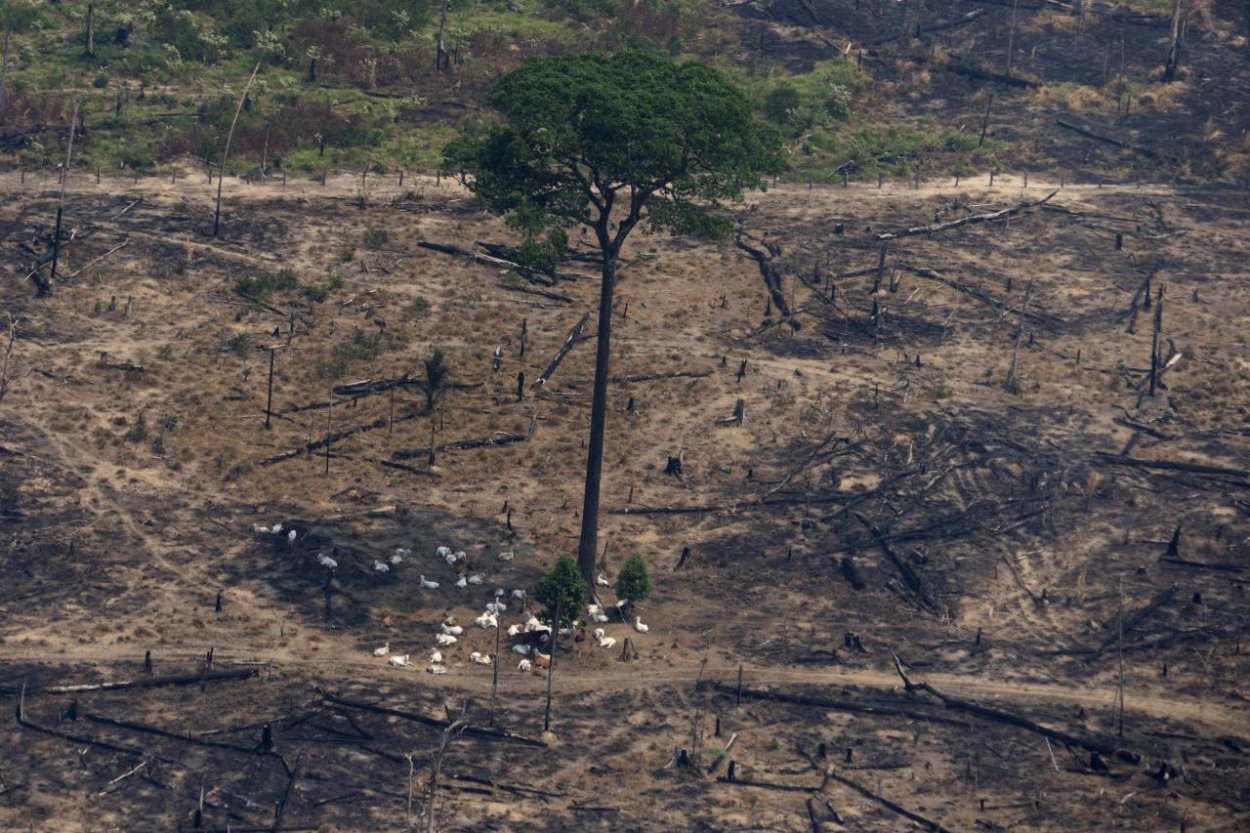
x=225, y=154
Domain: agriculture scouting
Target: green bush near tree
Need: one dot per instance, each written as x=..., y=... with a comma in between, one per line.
x=563, y=585
x=634, y=582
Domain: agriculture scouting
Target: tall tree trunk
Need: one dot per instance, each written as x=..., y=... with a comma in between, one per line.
x=588, y=545
x=90, y=51
x=1174, y=50
x=4, y=75
x=225, y=156
x=441, y=56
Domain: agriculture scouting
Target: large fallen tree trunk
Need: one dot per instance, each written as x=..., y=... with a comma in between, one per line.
x=1168, y=465
x=981, y=295
x=966, y=221
x=155, y=682
x=910, y=577
x=772, y=278
x=462, y=445
x=836, y=705
x=1120, y=143
x=990, y=713
x=470, y=731
x=574, y=336
x=929, y=824
x=1161, y=598
x=488, y=259
x=459, y=445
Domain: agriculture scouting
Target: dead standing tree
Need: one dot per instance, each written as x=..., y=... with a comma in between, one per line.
x=225, y=154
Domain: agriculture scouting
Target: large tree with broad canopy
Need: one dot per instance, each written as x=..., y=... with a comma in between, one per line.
x=607, y=142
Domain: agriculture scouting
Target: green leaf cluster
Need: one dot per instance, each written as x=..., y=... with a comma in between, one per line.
x=634, y=582
x=563, y=584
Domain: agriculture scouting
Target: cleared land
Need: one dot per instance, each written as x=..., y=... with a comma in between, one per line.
x=1004, y=535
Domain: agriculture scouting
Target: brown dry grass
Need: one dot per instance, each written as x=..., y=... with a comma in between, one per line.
x=156, y=535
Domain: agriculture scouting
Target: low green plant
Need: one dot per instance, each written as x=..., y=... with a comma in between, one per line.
x=634, y=582
x=418, y=307
x=241, y=345
x=376, y=238
x=264, y=284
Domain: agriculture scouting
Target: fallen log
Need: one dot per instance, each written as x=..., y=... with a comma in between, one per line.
x=155, y=682
x=966, y=221
x=542, y=293
x=1200, y=565
x=1168, y=465
x=910, y=577
x=1120, y=143
x=391, y=464
x=768, y=785
x=1161, y=598
x=724, y=754
x=654, y=377
x=460, y=445
x=486, y=259
x=885, y=802
x=82, y=269
x=146, y=729
x=471, y=731
x=837, y=705
x=997, y=715
x=974, y=71
x=981, y=295
x=772, y=278
x=574, y=336
x=293, y=776
x=512, y=788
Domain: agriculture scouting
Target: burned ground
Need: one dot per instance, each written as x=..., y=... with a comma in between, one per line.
x=1013, y=539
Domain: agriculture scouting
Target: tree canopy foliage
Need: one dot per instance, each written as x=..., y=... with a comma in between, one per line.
x=587, y=133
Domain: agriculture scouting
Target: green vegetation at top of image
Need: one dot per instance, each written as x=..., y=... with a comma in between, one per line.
x=893, y=150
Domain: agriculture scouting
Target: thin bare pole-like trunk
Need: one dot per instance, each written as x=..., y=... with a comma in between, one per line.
x=1011, y=35
x=1174, y=48
x=441, y=58
x=6, y=374
x=225, y=154
x=4, y=75
x=90, y=50
x=60, y=203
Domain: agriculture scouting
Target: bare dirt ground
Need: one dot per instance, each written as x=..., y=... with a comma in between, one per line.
x=1004, y=536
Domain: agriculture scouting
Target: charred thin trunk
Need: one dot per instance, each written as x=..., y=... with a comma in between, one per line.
x=1174, y=49
x=89, y=52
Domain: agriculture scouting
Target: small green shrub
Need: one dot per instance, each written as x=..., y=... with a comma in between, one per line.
x=139, y=431
x=241, y=345
x=264, y=284
x=376, y=238
x=634, y=582
x=418, y=307
x=563, y=585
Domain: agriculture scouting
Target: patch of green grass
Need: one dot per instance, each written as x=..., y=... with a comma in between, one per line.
x=241, y=345
x=264, y=284
x=360, y=347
